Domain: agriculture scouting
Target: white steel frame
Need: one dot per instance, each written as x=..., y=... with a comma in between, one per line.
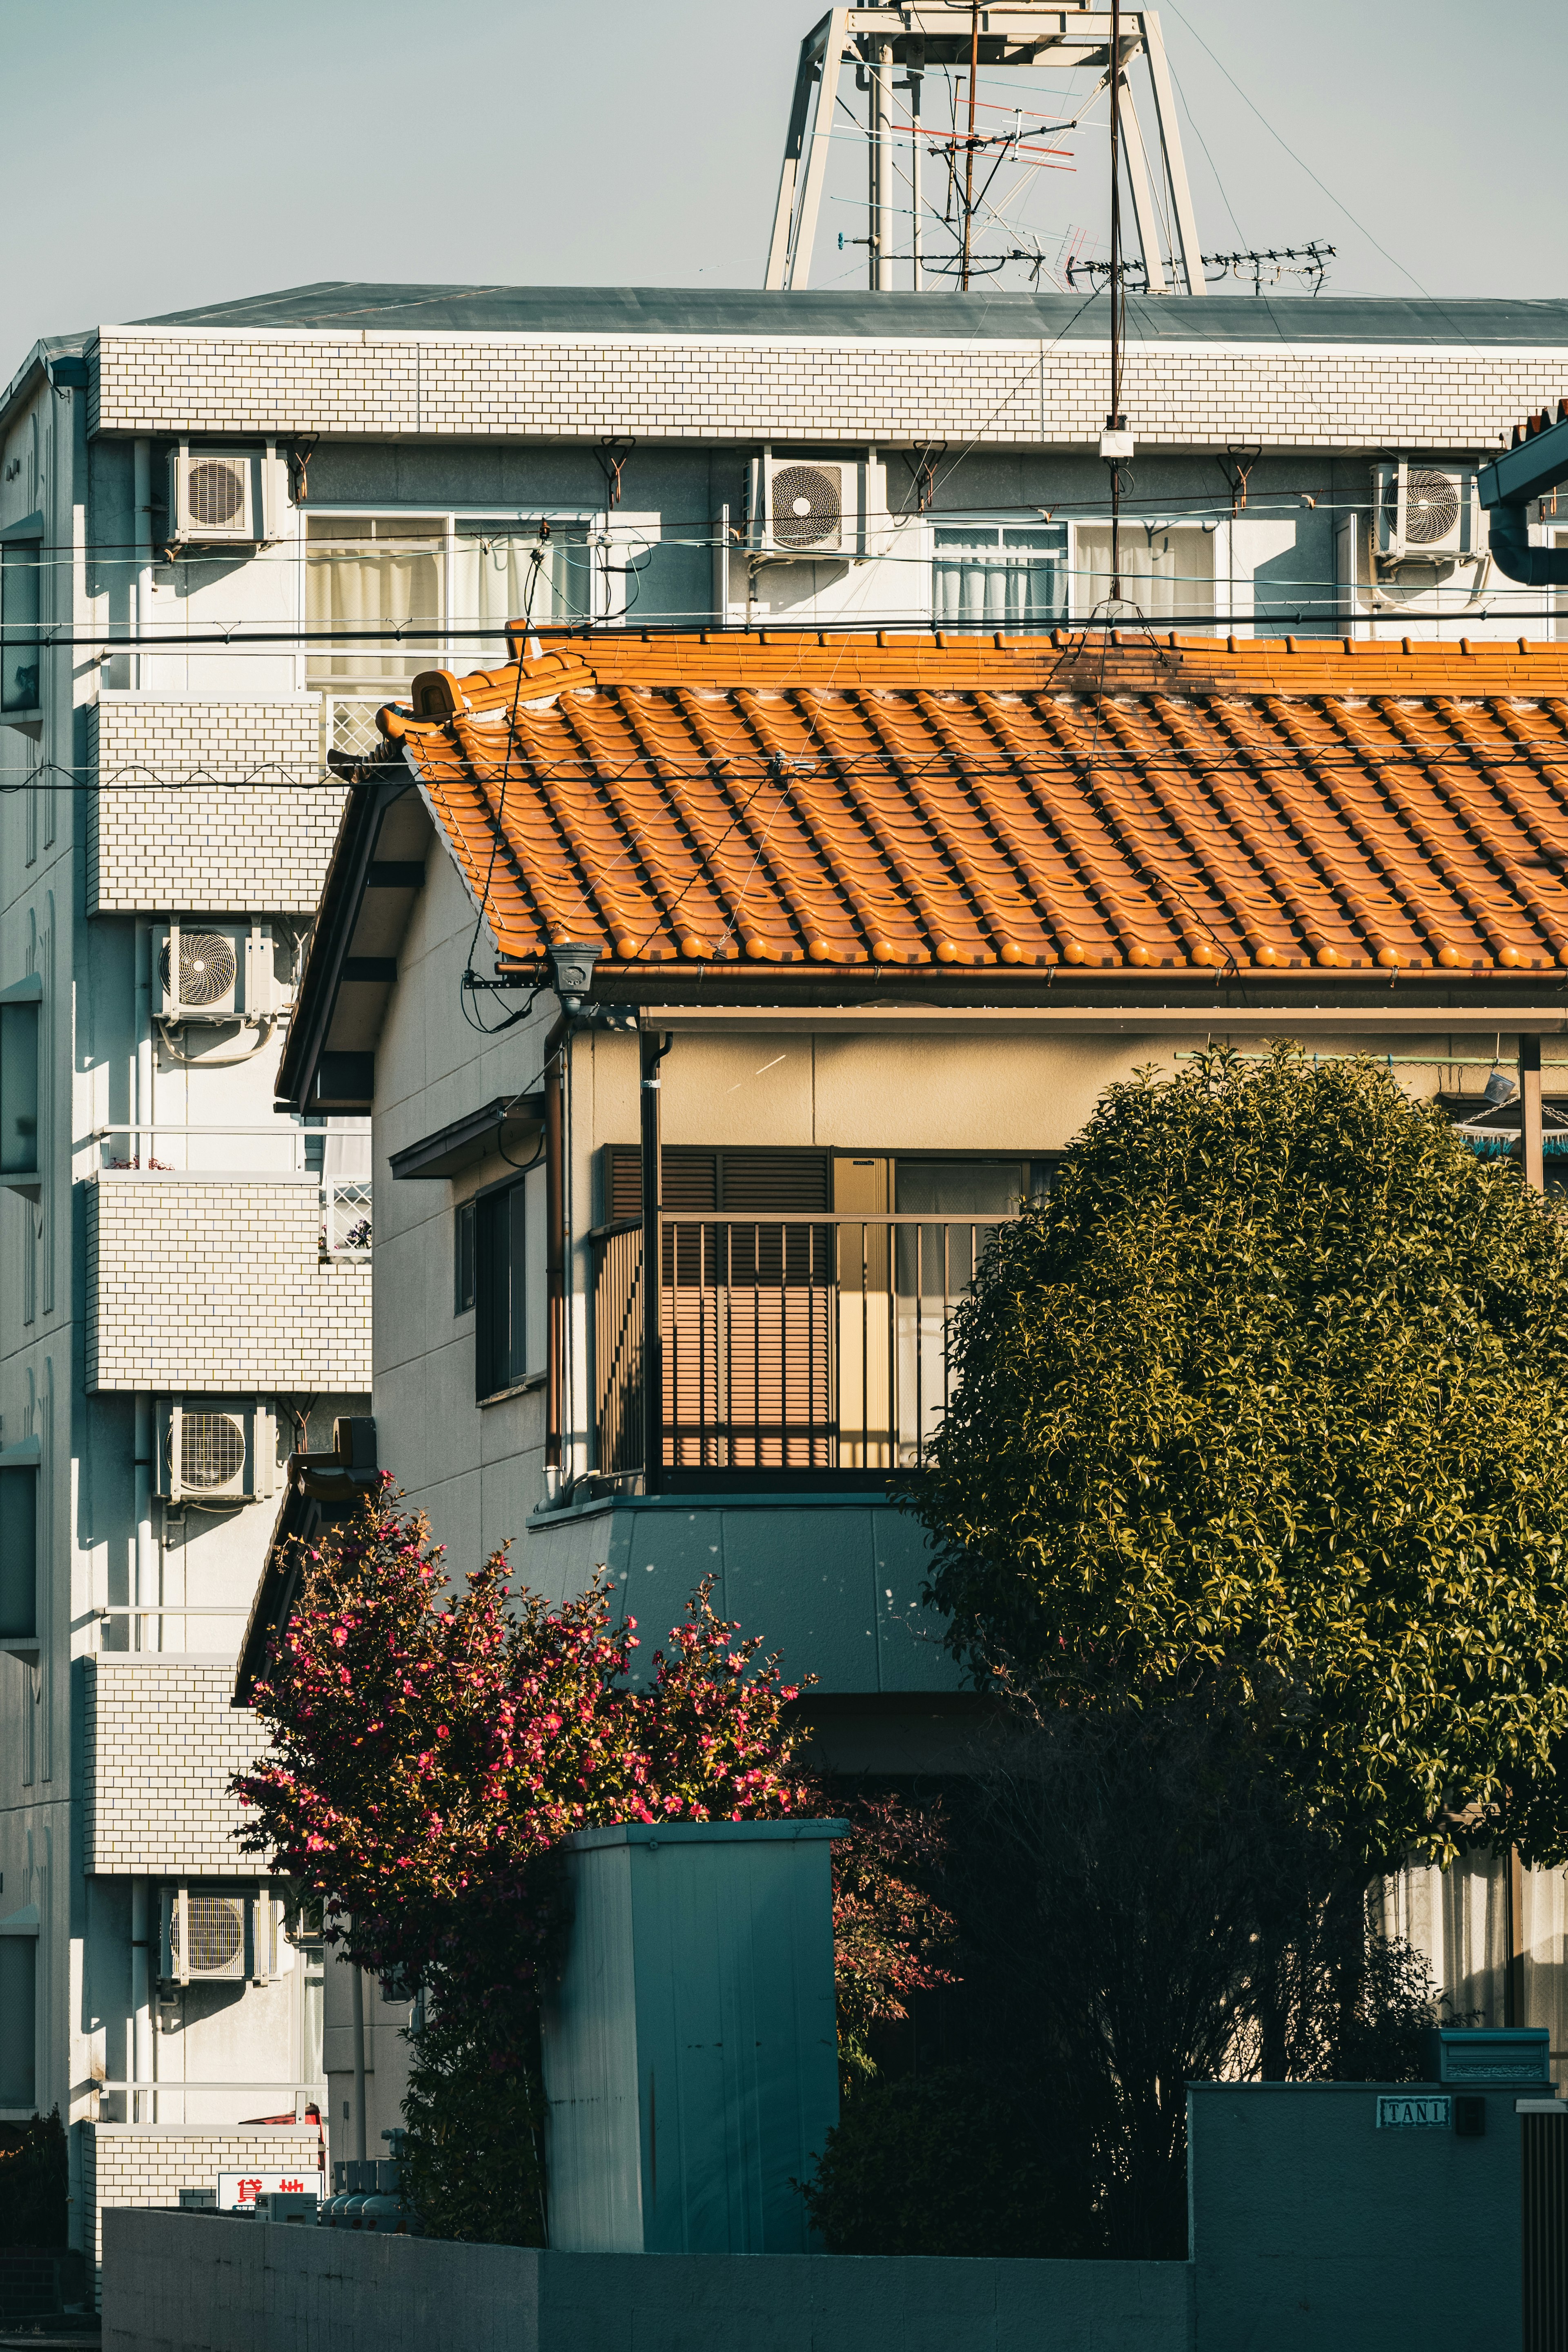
x=876, y=41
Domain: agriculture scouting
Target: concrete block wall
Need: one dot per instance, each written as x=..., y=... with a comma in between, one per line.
x=160, y=1741
x=120, y=2164
x=217, y=1285
x=256, y=839
x=185, y=2283
x=1272, y=393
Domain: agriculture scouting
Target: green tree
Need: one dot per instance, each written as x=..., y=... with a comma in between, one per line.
x=1269, y=1400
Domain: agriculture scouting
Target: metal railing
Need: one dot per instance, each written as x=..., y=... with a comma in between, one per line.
x=281, y=1148
x=791, y=1342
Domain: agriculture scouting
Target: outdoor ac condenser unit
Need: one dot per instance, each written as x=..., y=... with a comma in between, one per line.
x=1424, y=514
x=215, y=1452
x=218, y=1935
x=211, y=972
x=224, y=497
x=806, y=511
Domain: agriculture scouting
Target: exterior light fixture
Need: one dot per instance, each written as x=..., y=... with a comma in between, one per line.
x=572, y=971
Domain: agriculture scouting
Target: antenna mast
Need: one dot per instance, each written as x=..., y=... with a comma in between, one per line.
x=1116, y=422
x=969, y=145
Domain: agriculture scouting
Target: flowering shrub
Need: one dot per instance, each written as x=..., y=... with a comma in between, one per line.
x=431, y=1749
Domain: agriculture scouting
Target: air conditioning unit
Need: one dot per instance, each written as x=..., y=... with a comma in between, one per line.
x=218, y=1935
x=215, y=1452
x=216, y=972
x=806, y=511
x=1425, y=514
x=225, y=498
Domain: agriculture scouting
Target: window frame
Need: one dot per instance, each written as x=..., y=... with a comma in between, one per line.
x=487, y=1204
x=29, y=529
x=998, y=521
x=464, y=1261
x=450, y=645
x=23, y=1463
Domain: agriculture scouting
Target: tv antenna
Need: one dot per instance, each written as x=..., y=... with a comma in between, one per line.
x=890, y=51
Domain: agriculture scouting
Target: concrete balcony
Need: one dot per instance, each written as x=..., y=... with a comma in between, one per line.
x=256, y=836
x=224, y=1283
x=160, y=1741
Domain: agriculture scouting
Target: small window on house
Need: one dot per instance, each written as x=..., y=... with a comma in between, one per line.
x=463, y=1257
x=20, y=573
x=501, y=1289
x=1167, y=571
x=999, y=575
x=19, y=2010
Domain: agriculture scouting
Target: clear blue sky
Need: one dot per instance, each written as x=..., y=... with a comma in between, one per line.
x=173, y=154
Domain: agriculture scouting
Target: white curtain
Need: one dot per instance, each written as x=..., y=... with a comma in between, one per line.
x=494, y=578
x=1168, y=575
x=994, y=588
x=367, y=574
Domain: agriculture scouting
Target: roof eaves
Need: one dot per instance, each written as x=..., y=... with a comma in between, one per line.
x=371, y=796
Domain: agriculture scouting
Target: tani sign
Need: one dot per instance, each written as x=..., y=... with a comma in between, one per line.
x=1414, y=2111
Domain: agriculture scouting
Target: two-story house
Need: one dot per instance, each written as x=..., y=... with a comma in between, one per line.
x=712, y=994
x=227, y=538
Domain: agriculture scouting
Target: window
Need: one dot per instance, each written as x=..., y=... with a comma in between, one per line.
x=18, y=1552
x=463, y=1258
x=19, y=1010
x=1166, y=571
x=20, y=573
x=505, y=1326
x=364, y=572
x=999, y=575
x=18, y=2005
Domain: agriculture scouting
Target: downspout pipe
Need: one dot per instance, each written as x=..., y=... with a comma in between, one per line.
x=1506, y=488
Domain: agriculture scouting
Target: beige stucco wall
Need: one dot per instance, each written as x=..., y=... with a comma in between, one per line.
x=1021, y=1087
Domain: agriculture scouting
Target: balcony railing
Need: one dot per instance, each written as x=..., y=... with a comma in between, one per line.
x=785, y=1343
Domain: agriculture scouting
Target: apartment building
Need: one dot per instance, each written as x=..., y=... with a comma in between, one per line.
x=226, y=538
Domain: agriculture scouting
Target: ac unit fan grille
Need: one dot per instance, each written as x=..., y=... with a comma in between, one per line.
x=807, y=510
x=215, y=492
x=212, y=1450
x=1431, y=506
x=207, y=967
x=216, y=1925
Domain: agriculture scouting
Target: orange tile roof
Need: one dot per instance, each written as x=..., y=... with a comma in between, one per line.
x=903, y=801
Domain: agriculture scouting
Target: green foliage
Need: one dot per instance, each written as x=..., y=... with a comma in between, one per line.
x=35, y=2185
x=1270, y=1398
x=473, y=2161
x=430, y=1751
x=945, y=2164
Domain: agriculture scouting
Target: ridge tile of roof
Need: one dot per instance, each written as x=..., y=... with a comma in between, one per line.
x=779, y=799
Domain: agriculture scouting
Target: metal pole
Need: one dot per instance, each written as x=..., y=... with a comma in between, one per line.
x=968, y=150
x=882, y=165
x=1529, y=1109
x=142, y=2105
x=654, y=1049
x=1534, y=1176
x=357, y=1996
x=1115, y=291
x=917, y=276
x=1170, y=145
x=555, y=1262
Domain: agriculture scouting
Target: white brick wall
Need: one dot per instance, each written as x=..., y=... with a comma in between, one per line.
x=256, y=840
x=159, y=1743
x=144, y=2164
x=666, y=388
x=216, y=1284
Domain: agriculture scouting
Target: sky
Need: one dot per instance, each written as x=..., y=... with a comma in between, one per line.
x=184, y=151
